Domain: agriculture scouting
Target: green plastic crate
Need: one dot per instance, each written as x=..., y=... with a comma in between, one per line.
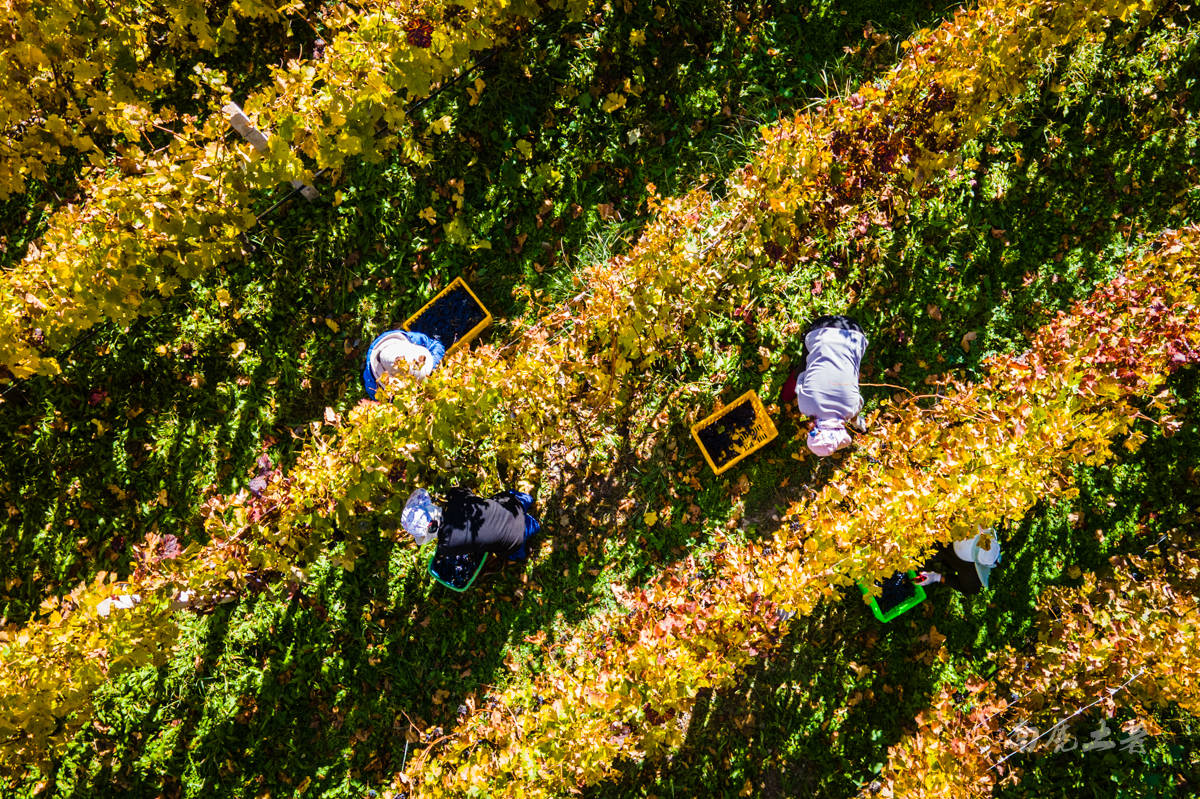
x=451, y=585
x=917, y=598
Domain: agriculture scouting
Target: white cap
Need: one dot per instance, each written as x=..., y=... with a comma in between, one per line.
x=419, y=515
x=397, y=353
x=982, y=549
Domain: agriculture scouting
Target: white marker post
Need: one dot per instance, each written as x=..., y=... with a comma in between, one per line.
x=258, y=140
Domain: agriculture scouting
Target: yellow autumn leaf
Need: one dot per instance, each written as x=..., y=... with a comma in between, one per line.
x=474, y=92
x=332, y=325
x=223, y=297
x=612, y=102
x=650, y=518
x=238, y=348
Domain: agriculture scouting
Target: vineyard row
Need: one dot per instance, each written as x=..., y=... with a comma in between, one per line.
x=929, y=475
x=1092, y=639
x=182, y=210
x=580, y=369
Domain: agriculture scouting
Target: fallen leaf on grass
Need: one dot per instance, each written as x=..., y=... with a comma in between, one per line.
x=613, y=101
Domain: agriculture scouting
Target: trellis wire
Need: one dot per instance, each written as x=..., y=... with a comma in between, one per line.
x=1026, y=747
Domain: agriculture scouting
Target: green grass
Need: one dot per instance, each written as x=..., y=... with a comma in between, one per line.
x=168, y=407
x=311, y=689
x=817, y=717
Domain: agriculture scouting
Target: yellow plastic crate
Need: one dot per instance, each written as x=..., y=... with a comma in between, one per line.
x=462, y=340
x=733, y=433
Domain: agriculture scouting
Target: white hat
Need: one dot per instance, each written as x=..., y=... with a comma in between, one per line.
x=827, y=437
x=982, y=549
x=395, y=353
x=419, y=515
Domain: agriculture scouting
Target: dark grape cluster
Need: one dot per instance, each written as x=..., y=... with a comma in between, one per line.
x=729, y=435
x=840, y=142
x=450, y=318
x=260, y=580
x=454, y=15
x=940, y=100
x=896, y=589
x=457, y=570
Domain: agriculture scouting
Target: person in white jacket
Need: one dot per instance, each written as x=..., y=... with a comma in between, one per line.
x=964, y=565
x=825, y=386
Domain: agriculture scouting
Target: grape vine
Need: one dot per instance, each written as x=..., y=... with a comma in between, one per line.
x=139, y=237
x=580, y=369
x=1090, y=639
x=932, y=474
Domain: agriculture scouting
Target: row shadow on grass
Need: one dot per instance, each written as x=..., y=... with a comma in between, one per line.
x=813, y=718
x=483, y=668
x=164, y=407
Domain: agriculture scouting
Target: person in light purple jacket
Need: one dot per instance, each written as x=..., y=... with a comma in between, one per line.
x=825, y=386
x=399, y=351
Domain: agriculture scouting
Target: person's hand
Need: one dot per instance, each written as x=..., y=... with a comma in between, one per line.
x=927, y=578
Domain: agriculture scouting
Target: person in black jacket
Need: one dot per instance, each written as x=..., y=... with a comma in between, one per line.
x=468, y=524
x=964, y=565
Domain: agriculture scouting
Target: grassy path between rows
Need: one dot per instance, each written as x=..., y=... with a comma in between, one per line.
x=279, y=690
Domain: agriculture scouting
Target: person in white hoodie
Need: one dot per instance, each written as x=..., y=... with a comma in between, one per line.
x=825, y=386
x=964, y=565
x=399, y=351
